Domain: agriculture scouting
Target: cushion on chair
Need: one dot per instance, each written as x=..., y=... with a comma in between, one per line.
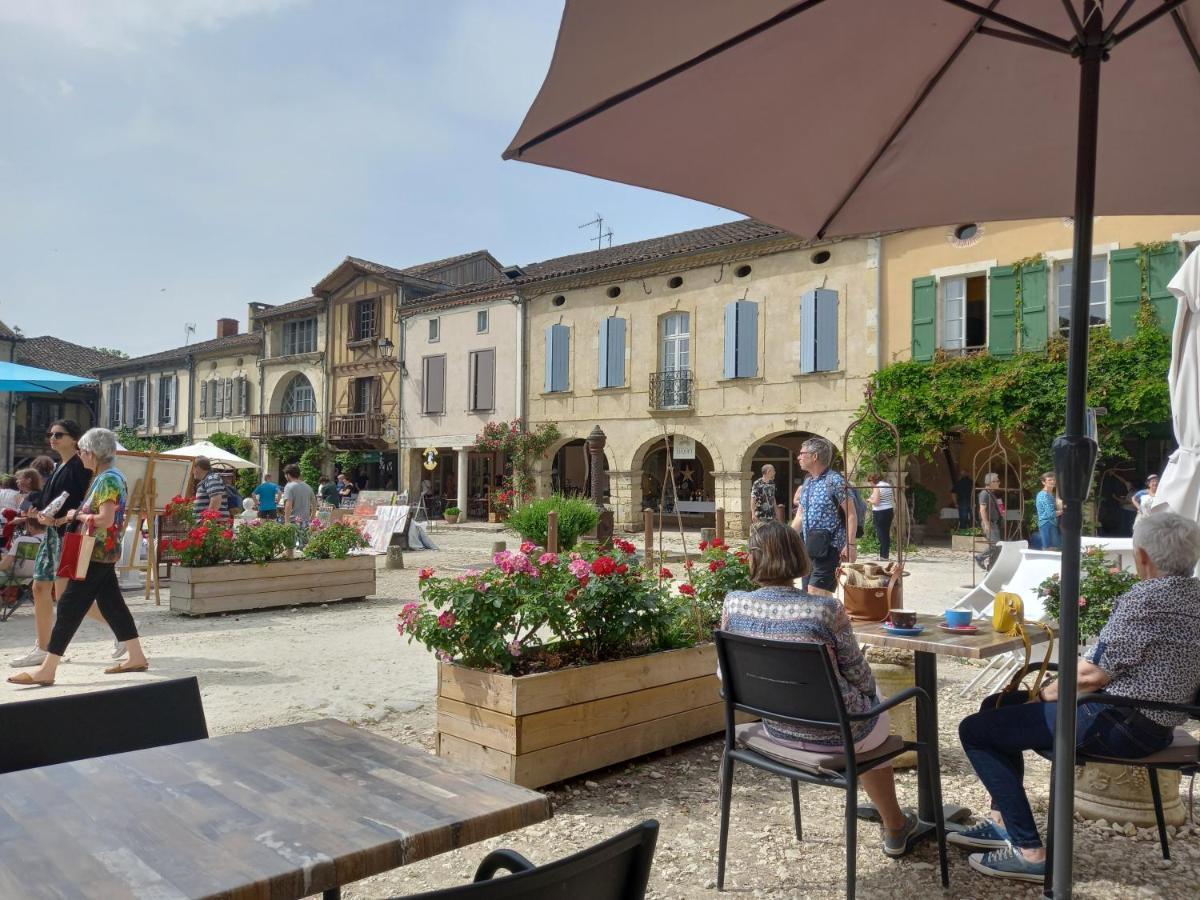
x=1184, y=749
x=753, y=736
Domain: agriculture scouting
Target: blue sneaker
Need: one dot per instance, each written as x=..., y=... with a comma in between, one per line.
x=987, y=835
x=1008, y=863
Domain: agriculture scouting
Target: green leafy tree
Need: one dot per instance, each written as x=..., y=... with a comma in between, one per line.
x=246, y=479
x=310, y=465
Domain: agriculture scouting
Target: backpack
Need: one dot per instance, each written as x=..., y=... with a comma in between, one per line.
x=233, y=499
x=860, y=509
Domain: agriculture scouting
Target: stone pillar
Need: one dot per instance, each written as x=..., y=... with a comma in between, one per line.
x=626, y=503
x=595, y=445
x=463, y=456
x=733, y=493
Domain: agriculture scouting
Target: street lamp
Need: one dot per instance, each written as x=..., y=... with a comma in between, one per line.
x=386, y=347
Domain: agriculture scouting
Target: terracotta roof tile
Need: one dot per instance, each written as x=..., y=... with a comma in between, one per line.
x=294, y=306
x=249, y=339
x=49, y=352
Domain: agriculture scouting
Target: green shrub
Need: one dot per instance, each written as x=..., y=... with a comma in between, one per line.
x=576, y=517
x=452, y=512
x=925, y=503
x=333, y=541
x=310, y=465
x=262, y=541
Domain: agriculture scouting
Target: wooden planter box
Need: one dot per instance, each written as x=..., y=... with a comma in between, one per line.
x=236, y=587
x=967, y=543
x=538, y=729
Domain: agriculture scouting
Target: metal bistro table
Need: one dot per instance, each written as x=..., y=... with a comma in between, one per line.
x=282, y=813
x=926, y=648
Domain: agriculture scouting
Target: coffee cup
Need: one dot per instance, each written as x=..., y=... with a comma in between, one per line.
x=958, y=618
x=903, y=618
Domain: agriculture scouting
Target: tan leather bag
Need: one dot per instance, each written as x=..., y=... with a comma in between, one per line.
x=869, y=592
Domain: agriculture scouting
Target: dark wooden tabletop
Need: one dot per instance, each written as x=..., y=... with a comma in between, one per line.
x=982, y=645
x=279, y=813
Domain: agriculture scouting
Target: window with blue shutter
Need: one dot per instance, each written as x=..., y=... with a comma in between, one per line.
x=741, y=339
x=611, y=362
x=558, y=342
x=819, y=331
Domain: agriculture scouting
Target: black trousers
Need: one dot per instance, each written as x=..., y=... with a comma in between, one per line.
x=883, y=530
x=99, y=587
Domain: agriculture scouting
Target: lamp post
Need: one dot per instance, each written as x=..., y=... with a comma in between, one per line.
x=595, y=444
x=386, y=349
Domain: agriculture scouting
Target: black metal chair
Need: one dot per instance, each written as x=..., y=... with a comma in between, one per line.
x=795, y=682
x=617, y=869
x=82, y=726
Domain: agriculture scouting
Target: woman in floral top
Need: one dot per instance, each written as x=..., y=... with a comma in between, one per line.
x=780, y=611
x=103, y=511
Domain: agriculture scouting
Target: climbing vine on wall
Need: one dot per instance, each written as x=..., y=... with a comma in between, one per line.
x=1018, y=301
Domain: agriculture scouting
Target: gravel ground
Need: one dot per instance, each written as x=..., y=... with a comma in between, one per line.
x=275, y=667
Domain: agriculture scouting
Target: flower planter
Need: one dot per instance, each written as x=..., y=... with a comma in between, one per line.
x=966, y=543
x=235, y=587
x=534, y=730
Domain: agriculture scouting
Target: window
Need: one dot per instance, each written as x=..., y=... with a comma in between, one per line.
x=676, y=342
x=299, y=407
x=611, y=364
x=241, y=390
x=671, y=388
x=41, y=414
x=166, y=399
x=139, y=402
x=116, y=397
x=433, y=385
x=483, y=380
x=819, y=331
x=964, y=312
x=1097, y=293
x=481, y=321
x=435, y=330
x=229, y=397
x=558, y=348
x=364, y=319
x=366, y=395
x=741, y=339
x=300, y=337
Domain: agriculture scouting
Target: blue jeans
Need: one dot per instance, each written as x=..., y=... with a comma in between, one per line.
x=1051, y=536
x=995, y=739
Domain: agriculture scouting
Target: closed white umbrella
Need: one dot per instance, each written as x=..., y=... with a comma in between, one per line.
x=214, y=453
x=1179, y=487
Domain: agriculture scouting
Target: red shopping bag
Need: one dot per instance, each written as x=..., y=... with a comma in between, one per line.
x=76, y=554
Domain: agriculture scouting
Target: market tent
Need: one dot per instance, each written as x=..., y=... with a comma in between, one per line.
x=214, y=453
x=30, y=380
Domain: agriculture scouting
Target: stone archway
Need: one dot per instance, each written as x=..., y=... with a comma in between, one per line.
x=698, y=478
x=779, y=448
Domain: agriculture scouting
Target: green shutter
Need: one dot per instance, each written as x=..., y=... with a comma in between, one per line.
x=1035, y=321
x=1124, y=291
x=1163, y=264
x=924, y=318
x=1002, y=311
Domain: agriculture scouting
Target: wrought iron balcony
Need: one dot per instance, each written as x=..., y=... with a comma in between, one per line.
x=298, y=424
x=356, y=427
x=671, y=390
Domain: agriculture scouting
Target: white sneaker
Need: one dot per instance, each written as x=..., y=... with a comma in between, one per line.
x=118, y=649
x=34, y=657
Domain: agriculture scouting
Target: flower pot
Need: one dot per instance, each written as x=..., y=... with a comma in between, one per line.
x=1122, y=794
x=236, y=587
x=965, y=543
x=537, y=729
x=493, y=518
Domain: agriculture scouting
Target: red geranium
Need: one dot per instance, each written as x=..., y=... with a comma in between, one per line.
x=687, y=589
x=716, y=565
x=603, y=565
x=624, y=546
x=664, y=572
x=703, y=546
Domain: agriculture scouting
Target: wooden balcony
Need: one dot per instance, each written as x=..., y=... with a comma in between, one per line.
x=268, y=425
x=356, y=429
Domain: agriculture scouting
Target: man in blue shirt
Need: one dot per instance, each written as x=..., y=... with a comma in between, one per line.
x=1048, y=513
x=267, y=495
x=825, y=516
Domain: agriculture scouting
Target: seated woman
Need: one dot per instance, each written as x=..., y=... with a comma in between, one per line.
x=1146, y=651
x=780, y=611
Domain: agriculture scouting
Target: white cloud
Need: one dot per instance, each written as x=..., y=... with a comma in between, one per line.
x=129, y=24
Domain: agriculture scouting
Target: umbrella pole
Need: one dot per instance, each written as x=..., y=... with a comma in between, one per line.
x=1074, y=459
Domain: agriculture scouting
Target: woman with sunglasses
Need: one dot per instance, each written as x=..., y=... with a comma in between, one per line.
x=72, y=477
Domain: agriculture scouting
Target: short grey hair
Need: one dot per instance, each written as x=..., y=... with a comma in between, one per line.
x=820, y=448
x=989, y=478
x=100, y=442
x=1170, y=540
x=768, y=468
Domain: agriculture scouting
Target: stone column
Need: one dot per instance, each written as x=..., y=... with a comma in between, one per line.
x=626, y=502
x=595, y=445
x=463, y=456
x=733, y=493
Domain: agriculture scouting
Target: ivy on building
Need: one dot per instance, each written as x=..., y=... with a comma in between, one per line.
x=131, y=440
x=521, y=446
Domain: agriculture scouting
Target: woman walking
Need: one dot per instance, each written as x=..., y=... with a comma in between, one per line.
x=883, y=509
x=102, y=512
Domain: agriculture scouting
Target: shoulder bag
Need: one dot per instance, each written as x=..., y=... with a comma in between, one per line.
x=76, y=556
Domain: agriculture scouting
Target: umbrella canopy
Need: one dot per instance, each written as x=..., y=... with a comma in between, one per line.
x=30, y=380
x=1179, y=487
x=214, y=454
x=842, y=117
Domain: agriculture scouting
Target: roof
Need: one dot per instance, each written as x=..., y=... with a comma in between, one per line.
x=285, y=309
x=6, y=332
x=424, y=272
x=234, y=342
x=49, y=352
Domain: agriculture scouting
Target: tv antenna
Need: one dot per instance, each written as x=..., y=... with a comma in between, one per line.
x=601, y=234
x=189, y=329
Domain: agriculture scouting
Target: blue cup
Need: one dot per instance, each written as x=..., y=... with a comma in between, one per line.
x=957, y=618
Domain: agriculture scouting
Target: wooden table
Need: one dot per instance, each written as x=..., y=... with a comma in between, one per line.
x=926, y=648
x=280, y=813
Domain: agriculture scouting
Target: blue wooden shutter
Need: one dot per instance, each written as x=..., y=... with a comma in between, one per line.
x=1035, y=320
x=924, y=318
x=1002, y=318
x=1163, y=263
x=730, y=368
x=549, y=385
x=1124, y=291
x=808, y=332
x=602, y=358
x=612, y=352
x=558, y=339
x=203, y=399
x=826, y=330
x=747, y=339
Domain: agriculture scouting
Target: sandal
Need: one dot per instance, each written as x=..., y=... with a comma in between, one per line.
x=120, y=669
x=26, y=680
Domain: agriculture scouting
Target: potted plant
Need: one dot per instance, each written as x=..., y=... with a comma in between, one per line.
x=223, y=569
x=1113, y=793
x=553, y=665
x=452, y=514
x=964, y=539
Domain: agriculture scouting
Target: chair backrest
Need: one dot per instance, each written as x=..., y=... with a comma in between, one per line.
x=617, y=869
x=82, y=726
x=791, y=681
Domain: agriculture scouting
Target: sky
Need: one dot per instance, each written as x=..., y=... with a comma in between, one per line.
x=166, y=162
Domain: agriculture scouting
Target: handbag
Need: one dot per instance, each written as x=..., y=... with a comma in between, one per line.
x=76, y=553
x=818, y=541
x=1008, y=617
x=869, y=592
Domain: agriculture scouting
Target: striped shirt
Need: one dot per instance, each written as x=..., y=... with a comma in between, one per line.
x=887, y=497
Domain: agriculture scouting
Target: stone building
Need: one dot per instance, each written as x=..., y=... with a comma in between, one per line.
x=225, y=388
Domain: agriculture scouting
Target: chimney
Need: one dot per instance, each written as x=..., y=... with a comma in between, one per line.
x=255, y=310
x=227, y=327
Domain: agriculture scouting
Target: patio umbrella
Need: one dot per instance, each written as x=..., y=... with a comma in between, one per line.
x=214, y=453
x=843, y=117
x=1179, y=487
x=30, y=380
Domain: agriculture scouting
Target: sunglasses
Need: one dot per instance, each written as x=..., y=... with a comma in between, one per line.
x=54, y=435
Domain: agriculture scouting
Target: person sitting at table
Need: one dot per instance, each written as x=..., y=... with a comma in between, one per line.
x=1146, y=651
x=780, y=611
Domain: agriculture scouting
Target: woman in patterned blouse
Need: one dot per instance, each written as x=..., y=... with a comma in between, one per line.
x=780, y=611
